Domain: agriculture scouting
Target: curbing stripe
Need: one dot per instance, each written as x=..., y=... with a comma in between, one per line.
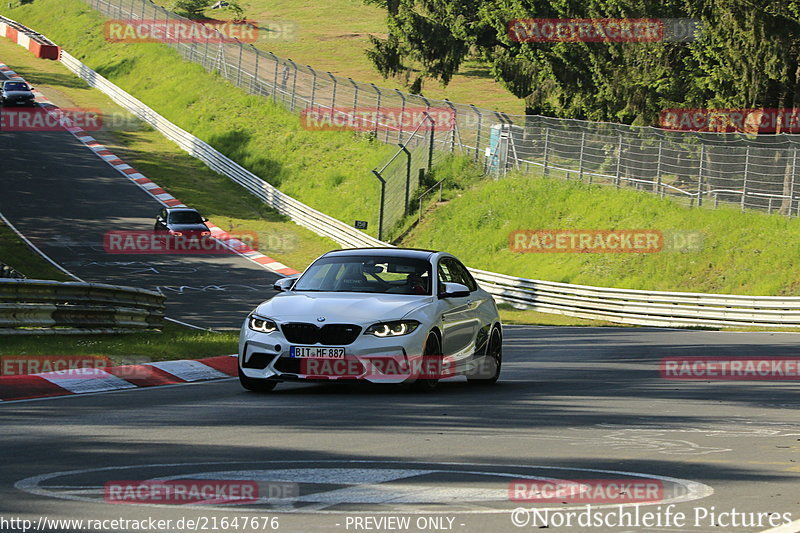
x=125, y=377
x=83, y=380
x=190, y=370
x=139, y=179
x=27, y=387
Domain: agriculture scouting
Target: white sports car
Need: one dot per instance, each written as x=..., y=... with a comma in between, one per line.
x=380, y=315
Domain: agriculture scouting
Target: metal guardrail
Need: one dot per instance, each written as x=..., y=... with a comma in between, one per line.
x=36, y=307
x=646, y=308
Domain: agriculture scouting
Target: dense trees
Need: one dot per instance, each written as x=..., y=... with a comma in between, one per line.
x=745, y=55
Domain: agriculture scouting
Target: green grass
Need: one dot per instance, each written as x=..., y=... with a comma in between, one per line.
x=333, y=35
x=175, y=342
x=742, y=253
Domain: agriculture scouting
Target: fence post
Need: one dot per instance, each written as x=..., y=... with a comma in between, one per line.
x=408, y=176
x=430, y=146
x=659, y=185
x=239, y=67
x=402, y=115
x=256, y=87
x=617, y=176
x=546, y=171
x=746, y=170
x=333, y=98
x=294, y=85
x=580, y=157
x=383, y=196
x=453, y=129
x=700, y=176
x=355, y=94
x=313, y=87
x=377, y=116
x=275, y=79
x=143, y=4
x=478, y=133
x=791, y=185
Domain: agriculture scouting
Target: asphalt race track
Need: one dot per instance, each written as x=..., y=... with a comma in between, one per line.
x=64, y=198
x=573, y=403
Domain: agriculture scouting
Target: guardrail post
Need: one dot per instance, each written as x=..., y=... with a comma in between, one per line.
x=700, y=177
x=580, y=156
x=744, y=181
x=383, y=196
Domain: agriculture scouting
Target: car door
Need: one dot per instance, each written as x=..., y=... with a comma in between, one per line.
x=459, y=315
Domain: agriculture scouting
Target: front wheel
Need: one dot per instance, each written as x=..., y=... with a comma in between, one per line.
x=432, y=349
x=489, y=371
x=255, y=384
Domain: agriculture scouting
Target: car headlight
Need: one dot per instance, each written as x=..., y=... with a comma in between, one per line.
x=176, y=233
x=205, y=233
x=262, y=325
x=395, y=328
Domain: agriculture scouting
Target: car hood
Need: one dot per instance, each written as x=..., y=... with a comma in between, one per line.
x=348, y=308
x=18, y=94
x=188, y=227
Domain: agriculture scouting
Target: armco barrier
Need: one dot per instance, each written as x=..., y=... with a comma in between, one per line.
x=36, y=43
x=646, y=308
x=52, y=307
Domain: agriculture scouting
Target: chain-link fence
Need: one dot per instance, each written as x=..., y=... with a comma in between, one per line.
x=757, y=172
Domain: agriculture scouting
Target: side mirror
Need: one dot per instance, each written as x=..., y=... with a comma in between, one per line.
x=284, y=284
x=205, y=219
x=454, y=290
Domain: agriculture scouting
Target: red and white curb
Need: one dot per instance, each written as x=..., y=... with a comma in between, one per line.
x=90, y=380
x=149, y=186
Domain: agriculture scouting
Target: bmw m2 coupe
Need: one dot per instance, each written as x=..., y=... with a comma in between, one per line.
x=379, y=315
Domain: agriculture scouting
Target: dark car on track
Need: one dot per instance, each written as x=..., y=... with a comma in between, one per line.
x=182, y=221
x=16, y=93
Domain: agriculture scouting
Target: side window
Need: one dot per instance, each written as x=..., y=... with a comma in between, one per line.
x=463, y=275
x=445, y=273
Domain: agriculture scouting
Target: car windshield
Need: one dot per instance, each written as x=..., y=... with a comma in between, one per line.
x=16, y=86
x=185, y=217
x=385, y=275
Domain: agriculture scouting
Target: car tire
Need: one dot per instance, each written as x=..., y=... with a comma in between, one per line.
x=255, y=384
x=432, y=348
x=494, y=353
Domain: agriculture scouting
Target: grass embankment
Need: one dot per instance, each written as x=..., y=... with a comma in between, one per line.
x=332, y=35
x=748, y=253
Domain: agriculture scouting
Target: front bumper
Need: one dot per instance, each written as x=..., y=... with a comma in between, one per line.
x=368, y=358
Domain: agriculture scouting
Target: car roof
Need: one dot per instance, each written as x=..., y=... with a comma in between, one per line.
x=390, y=252
x=171, y=209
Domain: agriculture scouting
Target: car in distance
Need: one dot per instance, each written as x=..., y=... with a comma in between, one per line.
x=17, y=93
x=379, y=315
x=182, y=222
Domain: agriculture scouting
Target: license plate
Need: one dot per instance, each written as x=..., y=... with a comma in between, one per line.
x=316, y=351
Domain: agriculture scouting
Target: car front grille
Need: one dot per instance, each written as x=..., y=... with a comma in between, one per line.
x=330, y=334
